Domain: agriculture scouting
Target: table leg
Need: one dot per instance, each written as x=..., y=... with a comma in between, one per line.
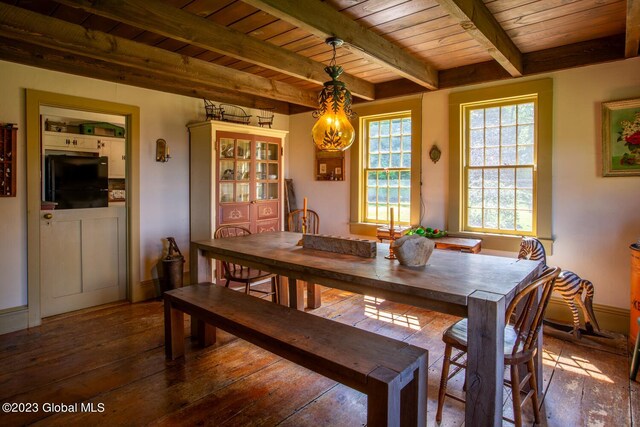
x=296, y=292
x=485, y=359
x=199, y=266
x=283, y=290
x=314, y=298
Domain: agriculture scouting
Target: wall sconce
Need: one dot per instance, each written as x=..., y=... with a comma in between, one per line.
x=162, y=151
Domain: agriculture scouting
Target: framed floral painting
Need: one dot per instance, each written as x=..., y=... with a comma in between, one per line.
x=621, y=138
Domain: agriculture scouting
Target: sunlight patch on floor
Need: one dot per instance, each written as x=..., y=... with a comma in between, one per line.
x=575, y=364
x=371, y=310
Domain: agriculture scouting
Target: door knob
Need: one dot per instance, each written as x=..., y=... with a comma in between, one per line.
x=48, y=216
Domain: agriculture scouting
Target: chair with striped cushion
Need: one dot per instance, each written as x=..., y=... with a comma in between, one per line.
x=524, y=316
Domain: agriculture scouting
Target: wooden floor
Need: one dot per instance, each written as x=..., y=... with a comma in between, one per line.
x=113, y=357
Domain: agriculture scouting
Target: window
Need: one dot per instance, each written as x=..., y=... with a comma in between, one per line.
x=388, y=168
x=500, y=163
x=499, y=141
x=385, y=164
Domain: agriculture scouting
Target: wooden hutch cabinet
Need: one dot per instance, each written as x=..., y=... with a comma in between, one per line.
x=235, y=177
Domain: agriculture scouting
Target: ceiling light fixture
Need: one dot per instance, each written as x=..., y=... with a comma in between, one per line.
x=332, y=131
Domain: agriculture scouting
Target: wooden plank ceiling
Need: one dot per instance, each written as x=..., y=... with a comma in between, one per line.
x=272, y=52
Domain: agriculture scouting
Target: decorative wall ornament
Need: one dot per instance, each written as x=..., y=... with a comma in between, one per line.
x=434, y=154
x=621, y=138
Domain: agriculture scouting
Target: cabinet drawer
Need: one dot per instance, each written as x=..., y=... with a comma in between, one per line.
x=234, y=213
x=86, y=144
x=70, y=142
x=267, y=210
x=57, y=141
x=266, y=226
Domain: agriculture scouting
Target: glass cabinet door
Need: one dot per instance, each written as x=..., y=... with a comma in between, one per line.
x=248, y=181
x=234, y=170
x=267, y=170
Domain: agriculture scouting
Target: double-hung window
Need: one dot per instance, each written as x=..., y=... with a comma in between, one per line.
x=499, y=166
x=500, y=160
x=385, y=165
x=388, y=167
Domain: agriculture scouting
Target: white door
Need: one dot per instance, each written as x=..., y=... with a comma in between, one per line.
x=83, y=258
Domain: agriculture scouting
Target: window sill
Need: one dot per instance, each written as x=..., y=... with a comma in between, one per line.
x=367, y=228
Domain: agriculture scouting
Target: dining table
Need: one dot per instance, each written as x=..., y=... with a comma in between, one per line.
x=475, y=286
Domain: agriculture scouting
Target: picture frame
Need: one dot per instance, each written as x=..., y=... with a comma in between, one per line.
x=621, y=138
x=323, y=168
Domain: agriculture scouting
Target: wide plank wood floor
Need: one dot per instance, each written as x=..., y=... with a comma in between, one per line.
x=113, y=357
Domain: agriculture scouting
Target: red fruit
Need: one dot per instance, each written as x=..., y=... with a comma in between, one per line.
x=436, y=231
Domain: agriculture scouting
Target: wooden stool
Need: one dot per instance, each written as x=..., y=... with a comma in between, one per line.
x=635, y=361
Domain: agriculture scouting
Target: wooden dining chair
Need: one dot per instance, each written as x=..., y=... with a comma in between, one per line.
x=295, y=221
x=524, y=316
x=241, y=274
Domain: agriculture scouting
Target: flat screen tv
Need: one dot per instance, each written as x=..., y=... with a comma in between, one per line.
x=76, y=182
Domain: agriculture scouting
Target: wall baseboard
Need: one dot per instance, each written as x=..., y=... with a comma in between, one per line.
x=609, y=318
x=14, y=319
x=150, y=289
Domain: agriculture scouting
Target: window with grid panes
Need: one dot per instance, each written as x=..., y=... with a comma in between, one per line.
x=500, y=167
x=388, y=168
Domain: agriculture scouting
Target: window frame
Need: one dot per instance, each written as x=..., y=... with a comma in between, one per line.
x=411, y=105
x=365, y=121
x=459, y=104
x=466, y=111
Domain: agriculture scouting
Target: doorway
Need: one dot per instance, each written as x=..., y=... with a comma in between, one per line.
x=88, y=239
x=83, y=227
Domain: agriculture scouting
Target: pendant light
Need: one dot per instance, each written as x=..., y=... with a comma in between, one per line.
x=332, y=131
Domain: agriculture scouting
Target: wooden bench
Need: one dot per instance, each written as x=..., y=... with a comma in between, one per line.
x=391, y=373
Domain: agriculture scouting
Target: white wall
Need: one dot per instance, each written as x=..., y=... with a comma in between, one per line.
x=164, y=187
x=594, y=218
x=330, y=199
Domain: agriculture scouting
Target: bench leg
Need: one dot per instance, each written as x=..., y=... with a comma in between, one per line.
x=394, y=400
x=204, y=332
x=173, y=331
x=314, y=299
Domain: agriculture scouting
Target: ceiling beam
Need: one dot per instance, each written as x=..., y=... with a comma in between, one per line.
x=322, y=20
x=42, y=57
x=544, y=61
x=23, y=25
x=474, y=17
x=177, y=24
x=633, y=29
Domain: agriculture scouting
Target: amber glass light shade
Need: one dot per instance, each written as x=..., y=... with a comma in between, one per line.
x=333, y=132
